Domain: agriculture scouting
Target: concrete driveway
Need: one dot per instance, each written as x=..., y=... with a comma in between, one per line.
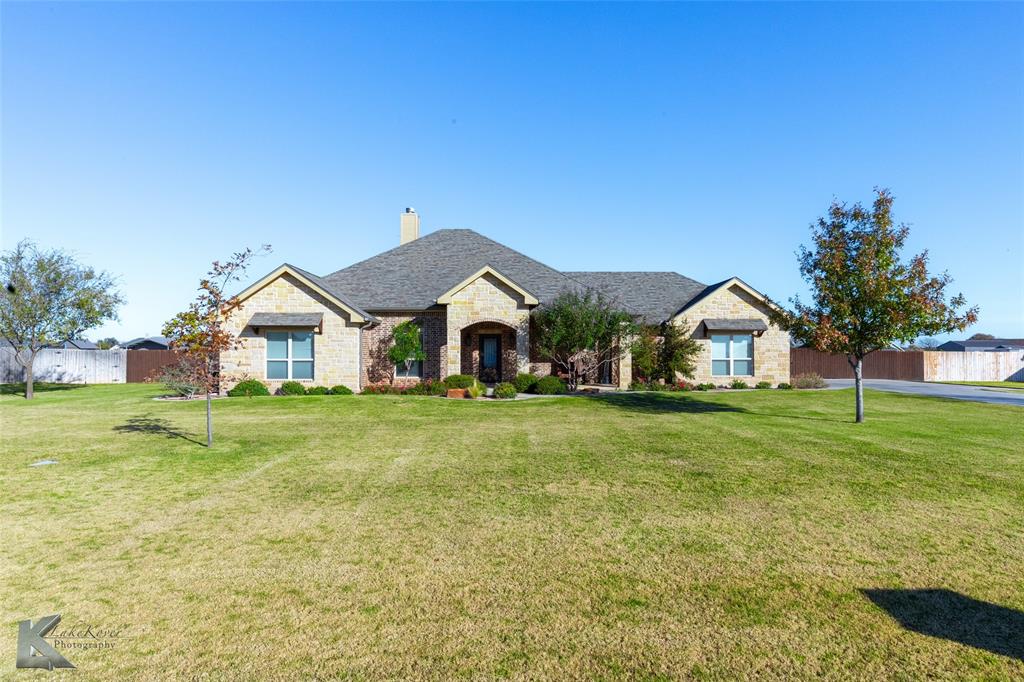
x=1002, y=396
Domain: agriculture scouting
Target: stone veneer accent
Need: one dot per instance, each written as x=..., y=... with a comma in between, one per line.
x=487, y=299
x=335, y=348
x=771, y=349
x=377, y=339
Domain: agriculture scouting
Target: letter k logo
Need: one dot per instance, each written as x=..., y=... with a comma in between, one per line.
x=36, y=652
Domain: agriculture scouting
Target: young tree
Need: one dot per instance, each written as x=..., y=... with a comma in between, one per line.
x=107, y=343
x=864, y=296
x=677, y=353
x=199, y=334
x=581, y=332
x=645, y=353
x=49, y=298
x=408, y=346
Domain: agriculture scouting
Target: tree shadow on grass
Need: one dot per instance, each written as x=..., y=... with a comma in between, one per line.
x=956, y=617
x=155, y=426
x=661, y=403
x=19, y=389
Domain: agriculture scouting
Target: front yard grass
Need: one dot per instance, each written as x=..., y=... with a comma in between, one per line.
x=648, y=535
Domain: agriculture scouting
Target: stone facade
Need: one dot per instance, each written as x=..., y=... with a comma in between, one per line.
x=487, y=299
x=771, y=349
x=377, y=340
x=335, y=347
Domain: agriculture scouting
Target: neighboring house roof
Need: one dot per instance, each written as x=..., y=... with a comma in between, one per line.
x=414, y=275
x=75, y=344
x=286, y=320
x=654, y=296
x=983, y=345
x=157, y=340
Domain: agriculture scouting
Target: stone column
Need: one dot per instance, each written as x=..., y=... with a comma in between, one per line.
x=523, y=347
x=453, y=349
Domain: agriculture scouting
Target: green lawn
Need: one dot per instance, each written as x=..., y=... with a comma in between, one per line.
x=996, y=384
x=649, y=536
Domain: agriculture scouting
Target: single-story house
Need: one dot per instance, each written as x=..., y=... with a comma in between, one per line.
x=990, y=345
x=472, y=298
x=146, y=343
x=75, y=344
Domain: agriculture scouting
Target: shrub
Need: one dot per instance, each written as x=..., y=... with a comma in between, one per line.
x=341, y=389
x=639, y=386
x=249, y=388
x=292, y=388
x=738, y=383
x=784, y=386
x=763, y=384
x=318, y=390
x=489, y=375
x=550, y=385
x=381, y=389
x=525, y=383
x=684, y=386
x=505, y=391
x=476, y=390
x=179, y=379
x=705, y=387
x=459, y=381
x=809, y=380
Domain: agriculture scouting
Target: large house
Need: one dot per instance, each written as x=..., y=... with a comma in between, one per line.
x=472, y=298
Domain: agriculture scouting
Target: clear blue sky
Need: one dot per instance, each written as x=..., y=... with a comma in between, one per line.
x=150, y=139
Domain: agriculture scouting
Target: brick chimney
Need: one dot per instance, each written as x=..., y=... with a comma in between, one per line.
x=410, y=226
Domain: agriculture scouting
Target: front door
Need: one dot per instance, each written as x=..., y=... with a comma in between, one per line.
x=490, y=357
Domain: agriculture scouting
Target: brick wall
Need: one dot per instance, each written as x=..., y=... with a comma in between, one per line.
x=378, y=368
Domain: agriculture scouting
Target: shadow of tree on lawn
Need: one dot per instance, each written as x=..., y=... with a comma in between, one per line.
x=661, y=403
x=155, y=426
x=19, y=389
x=956, y=617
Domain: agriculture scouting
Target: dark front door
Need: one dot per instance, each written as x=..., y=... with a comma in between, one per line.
x=490, y=357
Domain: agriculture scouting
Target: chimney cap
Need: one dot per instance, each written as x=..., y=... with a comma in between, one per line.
x=410, y=209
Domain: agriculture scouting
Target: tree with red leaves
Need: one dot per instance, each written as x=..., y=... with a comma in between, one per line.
x=199, y=334
x=864, y=297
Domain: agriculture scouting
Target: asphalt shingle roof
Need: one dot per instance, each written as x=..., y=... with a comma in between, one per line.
x=654, y=296
x=286, y=320
x=413, y=275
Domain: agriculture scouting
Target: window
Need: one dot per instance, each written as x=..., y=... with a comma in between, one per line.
x=289, y=355
x=732, y=355
x=415, y=367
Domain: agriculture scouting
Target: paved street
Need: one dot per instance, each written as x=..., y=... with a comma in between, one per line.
x=1003, y=396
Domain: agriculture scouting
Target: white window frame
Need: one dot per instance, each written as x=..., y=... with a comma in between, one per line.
x=730, y=356
x=291, y=356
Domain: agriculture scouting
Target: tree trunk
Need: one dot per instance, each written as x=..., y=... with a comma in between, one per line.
x=858, y=372
x=209, y=420
x=29, y=379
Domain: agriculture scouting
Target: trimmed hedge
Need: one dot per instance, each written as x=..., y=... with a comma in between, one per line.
x=249, y=388
x=525, y=383
x=505, y=391
x=341, y=389
x=763, y=384
x=459, y=381
x=318, y=390
x=292, y=388
x=550, y=385
x=426, y=387
x=738, y=383
x=784, y=386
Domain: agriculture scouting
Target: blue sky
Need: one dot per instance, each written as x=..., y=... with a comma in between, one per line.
x=150, y=139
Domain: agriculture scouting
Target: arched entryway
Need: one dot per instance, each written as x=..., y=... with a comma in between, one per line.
x=489, y=351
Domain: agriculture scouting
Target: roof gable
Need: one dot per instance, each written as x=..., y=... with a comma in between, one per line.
x=528, y=298
x=315, y=283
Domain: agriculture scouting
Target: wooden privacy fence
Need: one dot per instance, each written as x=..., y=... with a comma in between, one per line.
x=143, y=364
x=974, y=366
x=882, y=364
x=60, y=366
x=914, y=365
